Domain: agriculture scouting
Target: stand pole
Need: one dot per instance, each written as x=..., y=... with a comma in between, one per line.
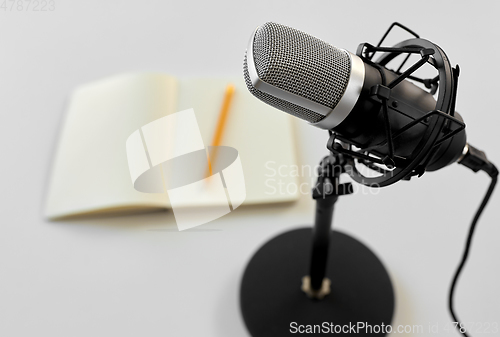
x=326, y=194
x=321, y=240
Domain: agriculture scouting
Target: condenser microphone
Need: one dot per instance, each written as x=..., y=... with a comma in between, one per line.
x=376, y=117
x=332, y=89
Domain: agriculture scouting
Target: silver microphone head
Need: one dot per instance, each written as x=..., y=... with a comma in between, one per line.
x=302, y=75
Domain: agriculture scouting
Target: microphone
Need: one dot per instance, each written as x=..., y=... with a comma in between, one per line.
x=333, y=89
x=375, y=117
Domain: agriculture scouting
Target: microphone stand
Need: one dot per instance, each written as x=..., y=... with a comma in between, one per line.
x=345, y=287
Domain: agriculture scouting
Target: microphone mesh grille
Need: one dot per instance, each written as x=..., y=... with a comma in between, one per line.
x=300, y=64
x=278, y=103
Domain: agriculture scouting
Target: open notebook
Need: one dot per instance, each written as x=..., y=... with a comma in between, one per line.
x=90, y=173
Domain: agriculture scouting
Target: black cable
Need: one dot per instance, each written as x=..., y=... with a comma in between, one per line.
x=486, y=198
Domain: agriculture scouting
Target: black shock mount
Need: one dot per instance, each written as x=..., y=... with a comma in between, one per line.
x=442, y=124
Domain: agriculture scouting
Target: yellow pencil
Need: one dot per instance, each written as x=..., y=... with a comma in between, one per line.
x=219, y=130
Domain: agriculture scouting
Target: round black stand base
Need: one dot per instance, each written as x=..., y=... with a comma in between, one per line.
x=273, y=304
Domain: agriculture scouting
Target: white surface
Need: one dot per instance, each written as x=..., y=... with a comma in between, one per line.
x=137, y=275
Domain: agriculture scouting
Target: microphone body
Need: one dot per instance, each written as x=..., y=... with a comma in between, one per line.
x=330, y=88
x=364, y=125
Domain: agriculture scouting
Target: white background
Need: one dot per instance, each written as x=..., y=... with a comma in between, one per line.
x=136, y=275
